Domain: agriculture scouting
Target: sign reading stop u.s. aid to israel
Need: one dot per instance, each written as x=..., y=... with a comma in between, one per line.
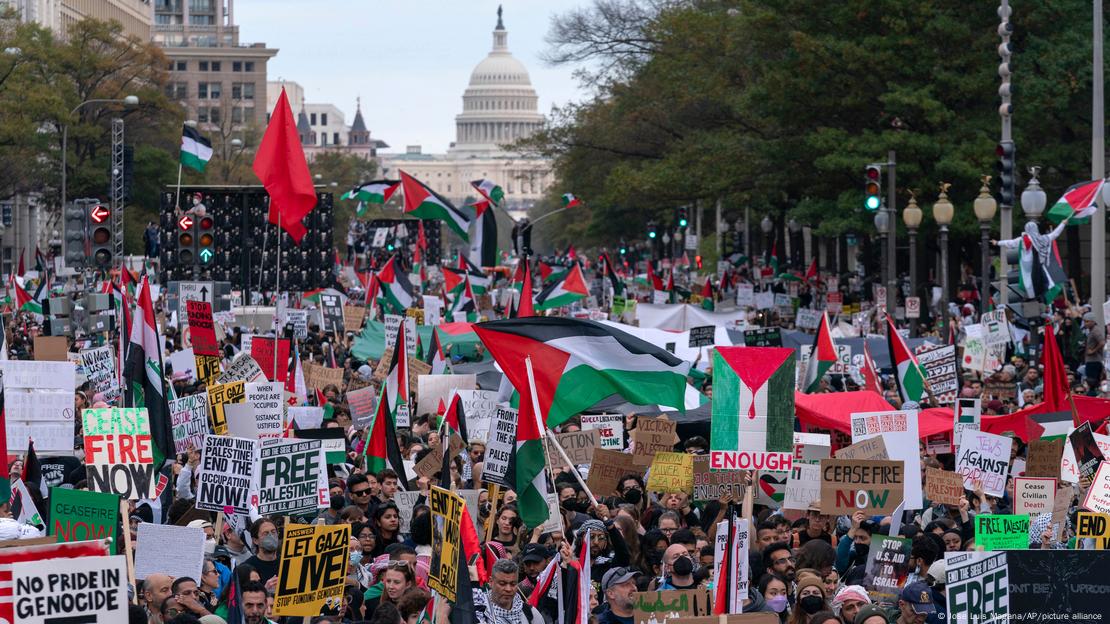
x=753, y=409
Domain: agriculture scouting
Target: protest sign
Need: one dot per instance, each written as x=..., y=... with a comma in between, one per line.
x=745, y=295
x=658, y=607
x=333, y=442
x=939, y=364
x=312, y=570
x=968, y=413
x=499, y=447
x=579, y=446
x=1034, y=495
x=899, y=432
x=82, y=590
x=353, y=317
x=304, y=416
x=606, y=471
x=202, y=329
x=763, y=337
x=609, y=426
x=168, y=549
x=291, y=478
x=803, y=486
x=850, y=485
x=770, y=487
x=807, y=318
x=977, y=587
x=431, y=464
x=712, y=485
x=652, y=435
x=671, y=472
x=262, y=350
x=811, y=447
x=221, y=395
x=267, y=401
x=1087, y=453
x=207, y=368
x=241, y=422
x=871, y=448
x=752, y=425
x=834, y=302
x=362, y=403
x=1098, y=496
x=1001, y=531
x=443, y=574
x=226, y=474
x=984, y=457
x=331, y=308
x=888, y=566
x=51, y=348
x=38, y=404
x=189, y=419
x=703, y=336
x=479, y=407
x=100, y=370
x=1094, y=526
x=118, y=452
x=941, y=486
x=431, y=389
x=319, y=377
x=406, y=502
x=1043, y=458
x=938, y=443
x=242, y=368
x=77, y=515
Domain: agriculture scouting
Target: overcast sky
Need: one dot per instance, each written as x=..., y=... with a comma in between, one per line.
x=410, y=60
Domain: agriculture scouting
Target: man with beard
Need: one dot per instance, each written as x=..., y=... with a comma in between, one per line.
x=533, y=559
x=618, y=587
x=778, y=559
x=254, y=603
x=267, y=544
x=503, y=604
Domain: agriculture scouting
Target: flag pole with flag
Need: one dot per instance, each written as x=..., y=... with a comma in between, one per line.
x=143, y=376
x=822, y=358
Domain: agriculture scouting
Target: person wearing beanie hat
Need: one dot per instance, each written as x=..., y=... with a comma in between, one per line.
x=870, y=614
x=809, y=594
x=849, y=600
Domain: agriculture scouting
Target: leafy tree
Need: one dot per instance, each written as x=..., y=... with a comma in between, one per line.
x=339, y=172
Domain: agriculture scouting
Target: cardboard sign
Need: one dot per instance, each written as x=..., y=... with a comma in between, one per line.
x=703, y=336
x=78, y=515
x=431, y=389
x=941, y=486
x=319, y=377
x=432, y=463
x=984, y=457
x=266, y=400
x=447, y=509
x=671, y=472
x=118, y=452
x=1043, y=458
x=362, y=403
x=607, y=469
x=353, y=317
x=609, y=426
x=887, y=568
x=189, y=419
x=851, y=485
x=899, y=432
x=499, y=447
x=1098, y=496
x=803, y=486
x=579, y=446
x=168, y=549
x=312, y=570
x=977, y=587
x=406, y=503
x=871, y=448
x=226, y=474
x=55, y=591
x=651, y=436
x=262, y=350
x=1094, y=526
x=221, y=395
x=1034, y=495
x=292, y=478
x=1001, y=531
x=713, y=485
x=202, y=329
x=100, y=370
x=658, y=607
x=242, y=368
x=51, y=349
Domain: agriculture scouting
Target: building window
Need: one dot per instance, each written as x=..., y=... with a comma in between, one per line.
x=215, y=66
x=202, y=114
x=181, y=65
x=335, y=138
x=236, y=90
x=323, y=138
x=202, y=90
x=236, y=115
x=312, y=119
x=180, y=90
x=448, y=188
x=214, y=90
x=214, y=115
x=248, y=90
x=237, y=66
x=202, y=20
x=248, y=66
x=202, y=66
x=323, y=119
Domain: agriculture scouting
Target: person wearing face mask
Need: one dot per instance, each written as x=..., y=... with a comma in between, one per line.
x=678, y=570
x=774, y=590
x=267, y=544
x=809, y=599
x=851, y=552
x=631, y=490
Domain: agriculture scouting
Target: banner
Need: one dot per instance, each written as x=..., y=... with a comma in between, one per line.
x=168, y=549
x=267, y=401
x=671, y=472
x=262, y=350
x=226, y=474
x=850, y=485
x=753, y=414
x=978, y=588
x=77, y=515
x=610, y=426
x=189, y=418
x=659, y=607
x=984, y=457
x=712, y=485
x=292, y=478
x=90, y=590
x=1001, y=531
x=443, y=574
x=502, y=441
x=202, y=330
x=312, y=570
x=100, y=370
x=118, y=452
x=1034, y=495
x=220, y=395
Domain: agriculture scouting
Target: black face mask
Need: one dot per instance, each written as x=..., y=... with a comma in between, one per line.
x=812, y=604
x=861, y=551
x=573, y=504
x=633, y=496
x=683, y=566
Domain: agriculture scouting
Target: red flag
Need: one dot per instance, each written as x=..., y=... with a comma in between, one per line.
x=21, y=269
x=281, y=166
x=1056, y=391
x=811, y=272
x=526, y=307
x=869, y=372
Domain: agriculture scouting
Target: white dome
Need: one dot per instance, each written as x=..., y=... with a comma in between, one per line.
x=500, y=68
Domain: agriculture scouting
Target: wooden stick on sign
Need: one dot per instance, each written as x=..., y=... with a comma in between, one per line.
x=125, y=515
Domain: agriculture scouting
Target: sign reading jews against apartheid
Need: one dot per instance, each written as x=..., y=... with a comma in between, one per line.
x=753, y=410
x=312, y=570
x=83, y=590
x=443, y=574
x=226, y=474
x=292, y=478
x=118, y=452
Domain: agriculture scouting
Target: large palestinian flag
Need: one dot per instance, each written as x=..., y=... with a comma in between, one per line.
x=753, y=406
x=1078, y=203
x=142, y=375
x=395, y=289
x=821, y=358
x=565, y=291
x=483, y=235
x=578, y=362
x=907, y=372
x=489, y=189
x=196, y=150
x=373, y=192
x=479, y=281
x=421, y=201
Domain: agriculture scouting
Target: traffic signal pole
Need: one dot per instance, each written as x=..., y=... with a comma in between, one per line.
x=1006, y=218
x=891, y=238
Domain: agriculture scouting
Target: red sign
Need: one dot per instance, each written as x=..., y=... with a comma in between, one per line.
x=185, y=222
x=99, y=214
x=262, y=350
x=202, y=330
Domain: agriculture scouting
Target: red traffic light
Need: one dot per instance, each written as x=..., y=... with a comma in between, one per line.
x=873, y=172
x=99, y=213
x=185, y=222
x=206, y=223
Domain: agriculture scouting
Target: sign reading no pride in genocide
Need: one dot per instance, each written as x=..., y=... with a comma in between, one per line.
x=80, y=590
x=118, y=452
x=313, y=568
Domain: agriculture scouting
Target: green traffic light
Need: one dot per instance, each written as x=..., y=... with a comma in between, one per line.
x=682, y=222
x=206, y=256
x=651, y=234
x=873, y=202
x=623, y=251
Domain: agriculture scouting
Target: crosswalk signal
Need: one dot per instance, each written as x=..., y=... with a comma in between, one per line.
x=872, y=188
x=186, y=240
x=206, y=239
x=75, y=236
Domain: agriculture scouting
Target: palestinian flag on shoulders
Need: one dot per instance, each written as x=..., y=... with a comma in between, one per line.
x=373, y=192
x=822, y=358
x=421, y=201
x=1078, y=202
x=570, y=201
x=489, y=189
x=579, y=362
x=908, y=373
x=196, y=150
x=394, y=287
x=142, y=375
x=564, y=292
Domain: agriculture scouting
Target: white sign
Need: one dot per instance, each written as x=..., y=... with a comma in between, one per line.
x=193, y=291
x=691, y=242
x=267, y=401
x=80, y=589
x=226, y=474
x=913, y=307
x=379, y=237
x=899, y=432
x=967, y=416
x=1034, y=495
x=39, y=404
x=433, y=310
x=100, y=369
x=765, y=300
x=479, y=407
x=242, y=368
x=611, y=428
x=977, y=587
x=502, y=440
x=808, y=319
x=745, y=295
x=983, y=457
x=168, y=549
x=189, y=419
x=406, y=502
x=1098, y=496
x=803, y=486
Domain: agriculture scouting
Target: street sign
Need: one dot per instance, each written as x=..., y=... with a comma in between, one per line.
x=913, y=307
x=193, y=291
x=99, y=214
x=185, y=222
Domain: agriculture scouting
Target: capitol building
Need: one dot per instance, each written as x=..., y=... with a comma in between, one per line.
x=499, y=107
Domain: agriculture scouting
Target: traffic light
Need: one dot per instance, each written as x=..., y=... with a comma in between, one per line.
x=652, y=233
x=206, y=239
x=102, y=241
x=1006, y=178
x=75, y=234
x=186, y=241
x=872, y=188
x=697, y=261
x=624, y=247
x=683, y=217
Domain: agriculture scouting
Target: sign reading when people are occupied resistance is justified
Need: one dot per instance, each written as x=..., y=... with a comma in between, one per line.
x=292, y=478
x=312, y=569
x=753, y=414
x=118, y=452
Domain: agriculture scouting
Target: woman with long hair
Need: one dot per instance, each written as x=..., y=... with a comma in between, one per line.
x=386, y=521
x=396, y=578
x=506, y=527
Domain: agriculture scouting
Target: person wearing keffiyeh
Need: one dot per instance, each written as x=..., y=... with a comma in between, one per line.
x=502, y=604
x=1044, y=534
x=607, y=547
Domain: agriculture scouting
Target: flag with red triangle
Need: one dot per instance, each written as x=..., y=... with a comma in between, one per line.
x=563, y=292
x=908, y=373
x=821, y=359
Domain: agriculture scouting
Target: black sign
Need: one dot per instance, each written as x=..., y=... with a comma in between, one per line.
x=702, y=336
x=1044, y=583
x=763, y=337
x=332, y=308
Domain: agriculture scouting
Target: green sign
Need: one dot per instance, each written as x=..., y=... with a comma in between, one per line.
x=77, y=515
x=1002, y=532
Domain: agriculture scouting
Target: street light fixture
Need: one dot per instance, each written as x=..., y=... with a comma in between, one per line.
x=129, y=101
x=911, y=217
x=985, y=206
x=943, y=211
x=1033, y=199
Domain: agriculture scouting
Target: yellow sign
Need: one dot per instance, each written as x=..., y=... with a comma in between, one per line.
x=447, y=509
x=220, y=395
x=313, y=568
x=671, y=472
x=208, y=367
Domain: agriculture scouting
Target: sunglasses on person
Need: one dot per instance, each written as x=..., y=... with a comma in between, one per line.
x=364, y=492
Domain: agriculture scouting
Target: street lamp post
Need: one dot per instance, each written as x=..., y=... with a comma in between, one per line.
x=768, y=227
x=882, y=224
x=1033, y=198
x=943, y=211
x=911, y=216
x=985, y=206
x=129, y=101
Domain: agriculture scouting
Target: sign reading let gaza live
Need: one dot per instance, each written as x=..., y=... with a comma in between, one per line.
x=753, y=410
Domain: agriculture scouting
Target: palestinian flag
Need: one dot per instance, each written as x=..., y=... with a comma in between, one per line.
x=811, y=272
x=518, y=274
x=479, y=281
x=578, y=362
x=773, y=259
x=1057, y=414
x=653, y=279
x=525, y=306
x=726, y=571
x=563, y=292
x=822, y=358
x=453, y=280
x=5, y=480
x=24, y=302
x=381, y=448
x=614, y=279
x=373, y=192
x=464, y=303
x=570, y=201
x=908, y=373
x=196, y=150
x=869, y=372
x=23, y=506
x=398, y=378
x=672, y=295
x=489, y=189
x=1078, y=202
x=32, y=471
x=550, y=273
x=548, y=577
x=395, y=289
x=142, y=375
x=418, y=256
x=455, y=419
x=753, y=400
x=421, y=201
x=483, y=235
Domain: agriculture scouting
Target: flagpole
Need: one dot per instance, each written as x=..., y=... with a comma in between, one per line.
x=177, y=197
x=277, y=287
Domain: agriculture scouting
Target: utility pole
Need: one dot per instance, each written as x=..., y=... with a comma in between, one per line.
x=1005, y=111
x=1098, y=172
x=891, y=239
